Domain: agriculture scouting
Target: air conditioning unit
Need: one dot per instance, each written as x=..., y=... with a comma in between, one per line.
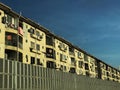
x=40, y=37
x=80, y=57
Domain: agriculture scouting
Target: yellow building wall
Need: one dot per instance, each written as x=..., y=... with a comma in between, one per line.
x=78, y=59
x=27, y=39
x=2, y=36
x=60, y=50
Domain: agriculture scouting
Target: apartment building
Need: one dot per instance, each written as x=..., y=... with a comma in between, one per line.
x=25, y=41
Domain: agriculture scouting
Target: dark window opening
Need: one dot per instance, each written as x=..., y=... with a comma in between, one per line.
x=20, y=56
x=85, y=57
x=51, y=64
x=61, y=57
x=80, y=64
x=20, y=43
x=38, y=47
x=73, y=62
x=13, y=55
x=32, y=60
x=10, y=55
x=38, y=62
x=79, y=54
x=86, y=66
x=72, y=70
x=9, y=19
x=49, y=40
x=71, y=49
x=50, y=53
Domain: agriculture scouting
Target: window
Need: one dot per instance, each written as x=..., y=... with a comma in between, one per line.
x=63, y=57
x=38, y=62
x=50, y=53
x=79, y=54
x=86, y=66
x=80, y=64
x=72, y=70
x=73, y=62
x=38, y=47
x=32, y=60
x=49, y=40
x=85, y=57
x=51, y=64
x=16, y=22
x=11, y=39
x=71, y=49
x=61, y=67
x=64, y=68
x=32, y=45
x=9, y=19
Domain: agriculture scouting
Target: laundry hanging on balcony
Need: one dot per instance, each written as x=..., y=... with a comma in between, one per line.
x=9, y=37
x=20, y=30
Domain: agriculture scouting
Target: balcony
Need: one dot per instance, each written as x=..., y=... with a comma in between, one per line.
x=8, y=21
x=51, y=65
x=13, y=55
x=13, y=40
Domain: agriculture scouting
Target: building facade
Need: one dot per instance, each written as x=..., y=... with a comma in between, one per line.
x=25, y=41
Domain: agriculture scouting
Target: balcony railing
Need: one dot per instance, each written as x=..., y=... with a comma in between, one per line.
x=14, y=43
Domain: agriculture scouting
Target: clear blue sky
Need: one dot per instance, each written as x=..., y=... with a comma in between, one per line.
x=93, y=25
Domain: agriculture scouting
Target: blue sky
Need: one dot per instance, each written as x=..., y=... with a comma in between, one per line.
x=93, y=25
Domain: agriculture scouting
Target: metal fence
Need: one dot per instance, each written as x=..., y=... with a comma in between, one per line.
x=18, y=76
